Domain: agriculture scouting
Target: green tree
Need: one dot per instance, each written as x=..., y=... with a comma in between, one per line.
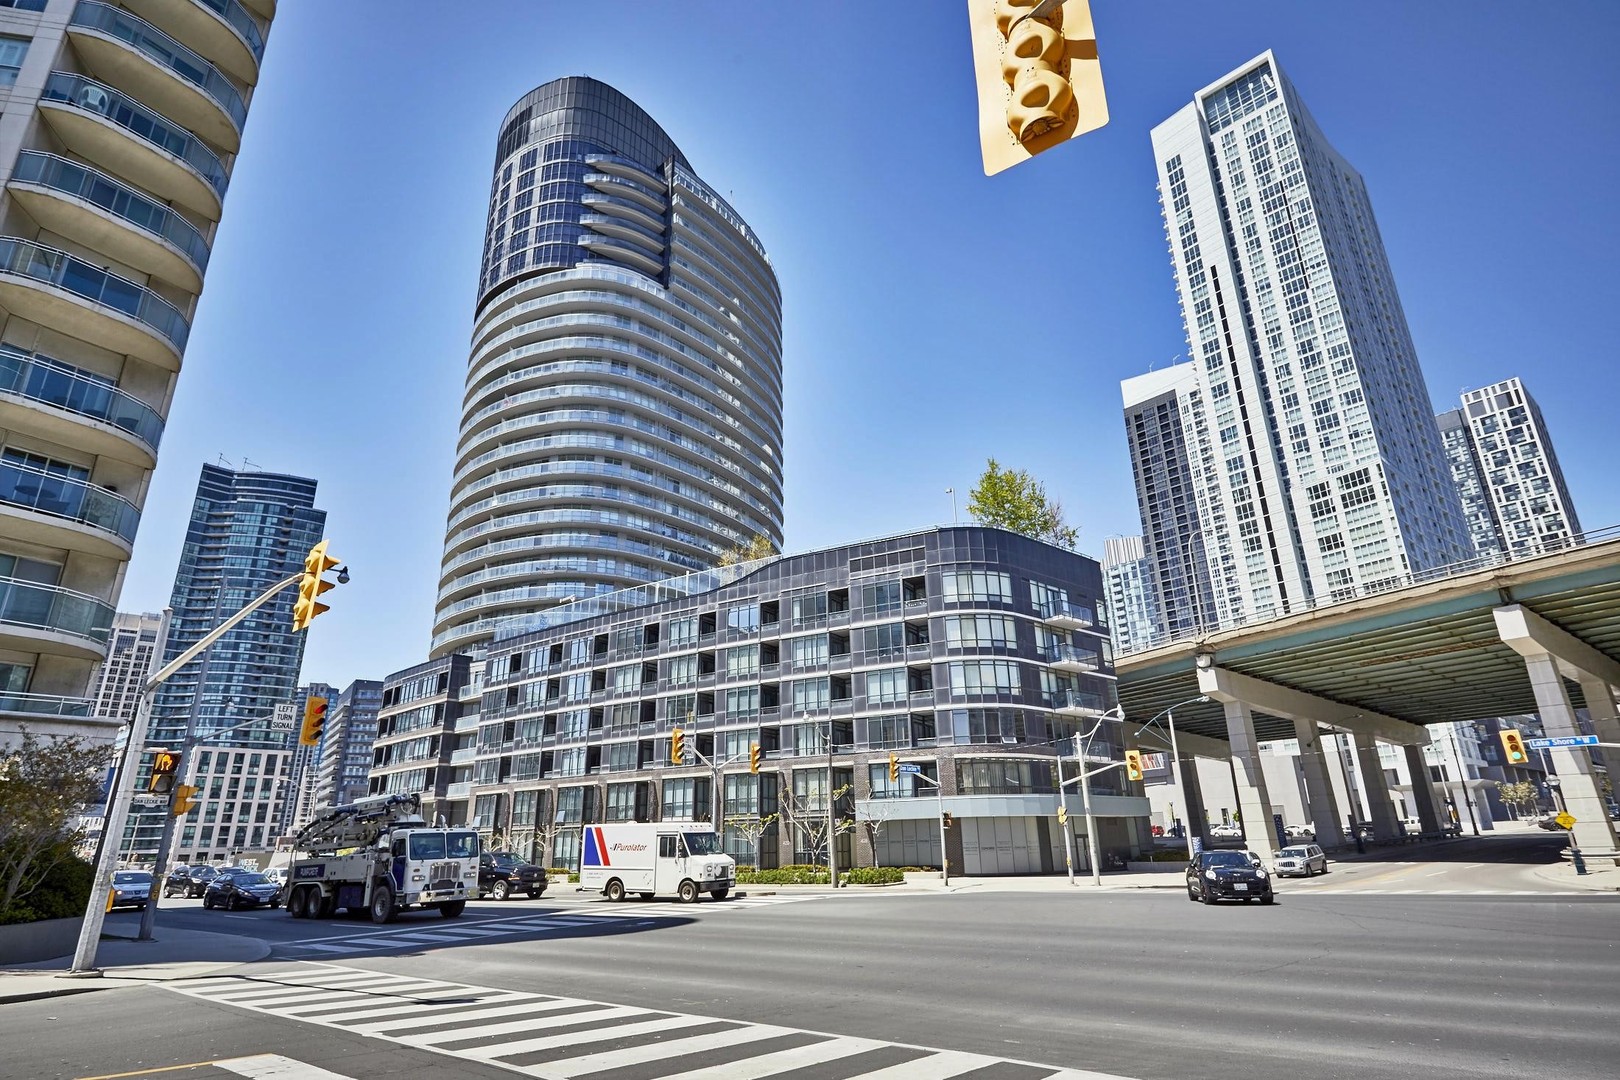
x=1013, y=499
x=44, y=782
x=760, y=547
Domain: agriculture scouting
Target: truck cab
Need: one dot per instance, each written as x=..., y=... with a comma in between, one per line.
x=652, y=860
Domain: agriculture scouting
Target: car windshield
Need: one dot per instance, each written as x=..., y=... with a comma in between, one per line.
x=1226, y=858
x=701, y=843
x=505, y=858
x=252, y=879
x=1293, y=853
x=132, y=877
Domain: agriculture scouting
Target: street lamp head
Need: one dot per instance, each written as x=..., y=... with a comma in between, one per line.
x=343, y=575
x=1202, y=698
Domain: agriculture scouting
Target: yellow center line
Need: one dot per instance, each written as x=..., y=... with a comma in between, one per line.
x=149, y=1072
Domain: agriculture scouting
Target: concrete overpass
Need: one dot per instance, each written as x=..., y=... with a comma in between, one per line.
x=1537, y=634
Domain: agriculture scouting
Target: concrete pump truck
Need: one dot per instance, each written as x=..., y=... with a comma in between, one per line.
x=377, y=856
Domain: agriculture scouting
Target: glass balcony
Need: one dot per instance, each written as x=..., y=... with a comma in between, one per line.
x=46, y=704
x=93, y=97
x=25, y=258
x=165, y=52
x=125, y=203
x=1067, y=615
x=39, y=379
x=51, y=607
x=1075, y=702
x=1069, y=658
x=239, y=20
x=65, y=497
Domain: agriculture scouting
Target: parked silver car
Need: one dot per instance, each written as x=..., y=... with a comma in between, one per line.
x=1301, y=859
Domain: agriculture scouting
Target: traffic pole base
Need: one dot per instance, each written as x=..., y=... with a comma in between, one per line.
x=87, y=973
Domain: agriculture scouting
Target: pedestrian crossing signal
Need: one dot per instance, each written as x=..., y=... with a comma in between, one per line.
x=164, y=762
x=947, y=820
x=1133, y=764
x=1513, y=747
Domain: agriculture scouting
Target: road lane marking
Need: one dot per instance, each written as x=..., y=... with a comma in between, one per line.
x=276, y=1067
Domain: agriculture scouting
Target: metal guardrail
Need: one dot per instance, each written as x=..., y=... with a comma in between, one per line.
x=1394, y=584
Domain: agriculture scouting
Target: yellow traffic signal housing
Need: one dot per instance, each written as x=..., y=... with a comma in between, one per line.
x=314, y=721
x=677, y=747
x=753, y=757
x=306, y=607
x=183, y=804
x=894, y=769
x=1133, y=764
x=1063, y=815
x=164, y=763
x=1039, y=80
x=1513, y=748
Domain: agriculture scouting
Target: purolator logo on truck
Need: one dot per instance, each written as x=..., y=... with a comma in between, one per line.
x=628, y=847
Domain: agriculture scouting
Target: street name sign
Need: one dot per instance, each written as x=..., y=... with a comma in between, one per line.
x=910, y=770
x=150, y=800
x=1562, y=740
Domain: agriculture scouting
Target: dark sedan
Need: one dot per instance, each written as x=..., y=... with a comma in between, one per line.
x=232, y=891
x=1233, y=875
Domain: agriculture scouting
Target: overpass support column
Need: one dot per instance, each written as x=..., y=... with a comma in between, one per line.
x=1324, y=808
x=1192, y=815
x=1605, y=720
x=1428, y=811
x=1593, y=829
x=1380, y=807
x=1254, y=801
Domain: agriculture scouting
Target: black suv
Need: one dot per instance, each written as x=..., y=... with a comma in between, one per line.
x=501, y=873
x=189, y=881
x=1229, y=874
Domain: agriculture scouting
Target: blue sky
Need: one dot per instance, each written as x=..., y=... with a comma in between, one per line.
x=934, y=317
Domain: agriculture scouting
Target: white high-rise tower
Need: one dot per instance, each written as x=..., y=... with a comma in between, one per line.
x=1330, y=475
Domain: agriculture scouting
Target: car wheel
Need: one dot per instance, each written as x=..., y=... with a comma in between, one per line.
x=500, y=890
x=451, y=909
x=721, y=894
x=382, y=903
x=230, y=903
x=535, y=894
x=1207, y=897
x=614, y=891
x=688, y=892
x=208, y=902
x=1268, y=899
x=1192, y=895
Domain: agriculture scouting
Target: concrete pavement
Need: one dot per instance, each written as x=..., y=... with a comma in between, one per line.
x=174, y=954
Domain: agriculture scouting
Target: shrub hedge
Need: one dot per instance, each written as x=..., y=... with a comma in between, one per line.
x=875, y=875
x=796, y=874
x=62, y=894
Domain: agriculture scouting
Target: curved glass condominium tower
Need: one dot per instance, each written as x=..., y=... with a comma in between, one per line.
x=622, y=421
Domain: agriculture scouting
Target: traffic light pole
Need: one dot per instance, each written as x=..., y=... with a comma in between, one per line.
x=944, y=859
x=84, y=957
x=1063, y=804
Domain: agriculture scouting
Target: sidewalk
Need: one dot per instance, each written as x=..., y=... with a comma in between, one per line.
x=1601, y=876
x=175, y=954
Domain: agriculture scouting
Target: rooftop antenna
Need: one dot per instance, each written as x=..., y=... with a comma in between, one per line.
x=246, y=463
x=223, y=460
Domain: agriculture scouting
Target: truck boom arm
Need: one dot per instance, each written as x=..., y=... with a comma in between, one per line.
x=358, y=824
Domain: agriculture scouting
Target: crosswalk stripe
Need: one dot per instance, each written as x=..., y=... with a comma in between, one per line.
x=561, y=1038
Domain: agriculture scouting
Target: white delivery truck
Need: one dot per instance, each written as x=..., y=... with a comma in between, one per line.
x=668, y=859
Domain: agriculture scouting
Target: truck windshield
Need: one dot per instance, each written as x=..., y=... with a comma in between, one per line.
x=438, y=845
x=701, y=843
x=463, y=845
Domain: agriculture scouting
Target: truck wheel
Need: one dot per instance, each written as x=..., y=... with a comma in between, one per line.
x=312, y=902
x=689, y=892
x=382, y=903
x=295, y=904
x=500, y=890
x=614, y=891
x=452, y=908
x=721, y=894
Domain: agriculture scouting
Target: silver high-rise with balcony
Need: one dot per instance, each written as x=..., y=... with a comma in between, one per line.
x=622, y=421
x=121, y=124
x=1329, y=475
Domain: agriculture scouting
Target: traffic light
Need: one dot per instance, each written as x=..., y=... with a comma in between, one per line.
x=677, y=747
x=182, y=804
x=1513, y=747
x=164, y=762
x=753, y=757
x=1133, y=764
x=947, y=820
x=1063, y=815
x=314, y=721
x=316, y=563
x=894, y=769
x=1039, y=80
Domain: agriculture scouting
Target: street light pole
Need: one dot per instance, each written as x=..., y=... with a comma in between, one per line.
x=1063, y=801
x=1085, y=793
x=1462, y=780
x=832, y=833
x=1175, y=763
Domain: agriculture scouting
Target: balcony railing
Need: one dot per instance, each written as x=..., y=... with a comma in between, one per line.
x=46, y=705
x=39, y=379
x=143, y=123
x=65, y=497
x=51, y=607
x=239, y=20
x=53, y=267
x=458, y=791
x=1073, y=659
x=1075, y=701
x=1065, y=613
x=165, y=51
x=83, y=182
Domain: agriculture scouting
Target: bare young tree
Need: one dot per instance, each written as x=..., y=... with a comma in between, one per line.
x=753, y=827
x=875, y=816
x=44, y=782
x=809, y=824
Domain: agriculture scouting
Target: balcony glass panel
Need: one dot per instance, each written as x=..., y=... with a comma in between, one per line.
x=44, y=380
x=65, y=497
x=45, y=704
x=91, y=96
x=81, y=181
x=100, y=286
x=166, y=51
x=239, y=20
x=50, y=607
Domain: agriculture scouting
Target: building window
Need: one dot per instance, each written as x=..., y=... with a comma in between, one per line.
x=984, y=677
x=809, y=651
x=810, y=695
x=524, y=804
x=12, y=51
x=963, y=586
x=887, y=687
x=1004, y=777
x=980, y=632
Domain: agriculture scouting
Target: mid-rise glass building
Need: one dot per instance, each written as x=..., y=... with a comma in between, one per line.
x=622, y=421
x=1329, y=476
